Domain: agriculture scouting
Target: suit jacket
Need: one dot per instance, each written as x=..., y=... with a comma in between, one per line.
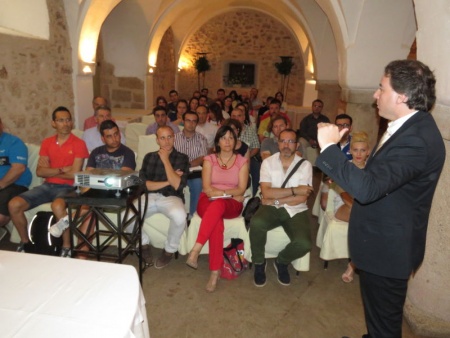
x=393, y=195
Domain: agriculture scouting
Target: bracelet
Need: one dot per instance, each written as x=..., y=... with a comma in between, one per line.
x=292, y=189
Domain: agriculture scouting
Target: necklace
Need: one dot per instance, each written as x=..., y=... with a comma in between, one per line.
x=224, y=164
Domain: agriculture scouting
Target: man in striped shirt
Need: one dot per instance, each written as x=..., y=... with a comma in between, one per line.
x=194, y=145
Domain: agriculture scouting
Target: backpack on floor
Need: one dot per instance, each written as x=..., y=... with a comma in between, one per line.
x=44, y=243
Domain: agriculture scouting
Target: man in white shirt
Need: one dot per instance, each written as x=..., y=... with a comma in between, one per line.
x=203, y=127
x=92, y=136
x=284, y=207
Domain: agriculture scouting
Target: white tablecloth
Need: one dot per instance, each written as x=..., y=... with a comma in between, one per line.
x=43, y=296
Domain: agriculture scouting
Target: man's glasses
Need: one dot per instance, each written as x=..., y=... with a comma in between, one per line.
x=343, y=125
x=287, y=141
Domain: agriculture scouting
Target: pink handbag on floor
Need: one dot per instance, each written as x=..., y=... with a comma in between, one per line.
x=234, y=262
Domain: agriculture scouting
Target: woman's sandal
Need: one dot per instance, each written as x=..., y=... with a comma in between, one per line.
x=213, y=280
x=192, y=260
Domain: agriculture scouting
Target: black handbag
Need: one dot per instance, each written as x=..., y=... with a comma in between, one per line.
x=254, y=202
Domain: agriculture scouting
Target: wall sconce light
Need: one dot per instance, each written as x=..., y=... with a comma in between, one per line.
x=88, y=68
x=151, y=69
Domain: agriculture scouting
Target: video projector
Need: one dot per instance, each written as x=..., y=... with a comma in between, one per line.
x=107, y=179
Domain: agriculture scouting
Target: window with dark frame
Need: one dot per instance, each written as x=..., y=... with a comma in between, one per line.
x=241, y=74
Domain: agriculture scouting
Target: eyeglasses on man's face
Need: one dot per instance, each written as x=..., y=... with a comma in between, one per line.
x=287, y=141
x=343, y=125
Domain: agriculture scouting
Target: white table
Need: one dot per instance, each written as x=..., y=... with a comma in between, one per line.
x=44, y=296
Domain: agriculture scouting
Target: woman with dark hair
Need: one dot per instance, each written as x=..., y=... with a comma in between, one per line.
x=193, y=104
x=224, y=176
x=227, y=105
x=280, y=97
x=161, y=101
x=181, y=109
x=241, y=147
x=234, y=98
x=215, y=114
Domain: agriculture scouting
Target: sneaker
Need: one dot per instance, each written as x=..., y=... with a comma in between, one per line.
x=3, y=232
x=21, y=247
x=163, y=260
x=260, y=274
x=57, y=229
x=283, y=273
x=66, y=253
x=25, y=247
x=147, y=255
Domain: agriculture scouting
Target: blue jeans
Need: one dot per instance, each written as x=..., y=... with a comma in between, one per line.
x=45, y=193
x=195, y=188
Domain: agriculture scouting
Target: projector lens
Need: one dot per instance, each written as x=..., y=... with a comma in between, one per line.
x=109, y=181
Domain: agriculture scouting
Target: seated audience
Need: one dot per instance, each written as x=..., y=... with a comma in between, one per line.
x=224, y=177
x=269, y=146
x=215, y=116
x=165, y=174
x=284, y=207
x=274, y=110
x=181, y=108
x=241, y=147
x=345, y=121
x=248, y=135
x=206, y=129
x=172, y=106
x=193, y=104
x=161, y=120
x=92, y=136
x=343, y=202
x=15, y=177
x=60, y=157
x=194, y=145
x=91, y=121
x=161, y=101
x=308, y=127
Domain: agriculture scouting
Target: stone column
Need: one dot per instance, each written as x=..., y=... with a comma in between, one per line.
x=330, y=93
x=359, y=104
x=427, y=307
x=149, y=91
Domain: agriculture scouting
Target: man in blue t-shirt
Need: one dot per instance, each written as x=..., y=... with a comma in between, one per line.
x=15, y=177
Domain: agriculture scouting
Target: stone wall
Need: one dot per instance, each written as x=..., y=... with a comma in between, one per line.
x=244, y=35
x=35, y=78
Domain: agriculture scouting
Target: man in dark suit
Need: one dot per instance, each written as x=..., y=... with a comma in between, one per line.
x=393, y=194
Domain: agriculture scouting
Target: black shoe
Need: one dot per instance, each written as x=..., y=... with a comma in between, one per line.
x=26, y=247
x=283, y=273
x=260, y=274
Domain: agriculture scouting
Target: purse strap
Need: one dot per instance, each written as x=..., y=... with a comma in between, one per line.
x=299, y=163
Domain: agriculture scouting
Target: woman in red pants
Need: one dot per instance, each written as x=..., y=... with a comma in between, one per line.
x=224, y=176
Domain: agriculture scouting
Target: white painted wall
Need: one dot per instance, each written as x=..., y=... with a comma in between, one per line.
x=25, y=18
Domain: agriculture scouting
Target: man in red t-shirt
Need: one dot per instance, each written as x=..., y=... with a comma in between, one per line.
x=60, y=157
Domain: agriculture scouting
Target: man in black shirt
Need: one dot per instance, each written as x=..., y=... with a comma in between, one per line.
x=165, y=174
x=308, y=127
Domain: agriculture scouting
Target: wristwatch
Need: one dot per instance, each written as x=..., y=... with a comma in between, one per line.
x=276, y=202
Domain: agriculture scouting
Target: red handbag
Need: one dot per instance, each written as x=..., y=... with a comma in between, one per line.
x=234, y=262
